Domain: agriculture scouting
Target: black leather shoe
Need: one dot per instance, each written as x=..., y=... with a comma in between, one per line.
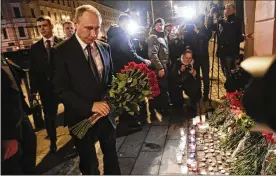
x=53, y=147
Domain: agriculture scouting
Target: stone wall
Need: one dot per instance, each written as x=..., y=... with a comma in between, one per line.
x=249, y=22
x=265, y=35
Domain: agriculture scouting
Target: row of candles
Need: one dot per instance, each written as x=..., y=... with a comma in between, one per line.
x=197, y=122
x=191, y=161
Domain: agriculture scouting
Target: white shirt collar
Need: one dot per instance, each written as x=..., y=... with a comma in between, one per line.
x=51, y=39
x=83, y=45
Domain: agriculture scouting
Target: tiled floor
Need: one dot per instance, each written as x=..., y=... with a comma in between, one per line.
x=150, y=151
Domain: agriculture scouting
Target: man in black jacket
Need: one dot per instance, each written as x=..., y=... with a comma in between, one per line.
x=202, y=54
x=229, y=31
x=123, y=51
x=84, y=71
x=121, y=44
x=41, y=75
x=18, y=138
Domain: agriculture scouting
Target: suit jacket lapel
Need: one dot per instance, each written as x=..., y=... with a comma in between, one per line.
x=101, y=52
x=56, y=41
x=79, y=54
x=42, y=45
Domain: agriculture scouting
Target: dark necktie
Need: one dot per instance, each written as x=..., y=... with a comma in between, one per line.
x=48, y=49
x=91, y=62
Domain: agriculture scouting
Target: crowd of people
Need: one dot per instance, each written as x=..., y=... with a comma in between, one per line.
x=77, y=70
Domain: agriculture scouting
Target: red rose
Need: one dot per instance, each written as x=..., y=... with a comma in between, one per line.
x=152, y=82
x=123, y=71
x=140, y=67
x=131, y=65
x=155, y=93
x=269, y=137
x=136, y=66
x=127, y=67
x=155, y=87
x=152, y=75
x=144, y=69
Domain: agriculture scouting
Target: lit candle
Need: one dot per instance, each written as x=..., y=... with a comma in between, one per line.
x=194, y=169
x=194, y=121
x=179, y=157
x=192, y=146
x=203, y=118
x=182, y=145
x=182, y=133
x=197, y=119
x=194, y=164
x=192, y=138
x=192, y=131
x=192, y=155
x=190, y=161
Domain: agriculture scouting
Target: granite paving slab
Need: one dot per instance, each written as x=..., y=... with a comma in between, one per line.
x=132, y=144
x=55, y=170
x=126, y=165
x=155, y=139
x=165, y=121
x=72, y=166
x=119, y=142
x=175, y=131
x=147, y=163
x=169, y=163
x=146, y=127
x=177, y=120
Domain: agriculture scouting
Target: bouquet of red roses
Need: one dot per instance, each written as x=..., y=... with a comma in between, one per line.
x=128, y=89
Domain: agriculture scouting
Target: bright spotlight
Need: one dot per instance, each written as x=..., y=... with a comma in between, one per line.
x=132, y=27
x=185, y=12
x=188, y=13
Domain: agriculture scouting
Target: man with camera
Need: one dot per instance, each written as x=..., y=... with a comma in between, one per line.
x=184, y=78
x=202, y=53
x=229, y=31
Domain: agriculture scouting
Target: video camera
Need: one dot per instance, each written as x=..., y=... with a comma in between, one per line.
x=187, y=67
x=238, y=71
x=215, y=8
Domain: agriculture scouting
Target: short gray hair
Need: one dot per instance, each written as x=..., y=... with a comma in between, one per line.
x=87, y=8
x=231, y=5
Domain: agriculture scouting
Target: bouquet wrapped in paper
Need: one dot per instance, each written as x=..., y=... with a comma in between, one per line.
x=128, y=89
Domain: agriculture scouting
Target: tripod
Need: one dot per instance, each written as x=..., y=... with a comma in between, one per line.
x=213, y=65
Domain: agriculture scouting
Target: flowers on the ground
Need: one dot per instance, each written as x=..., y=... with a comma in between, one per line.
x=270, y=137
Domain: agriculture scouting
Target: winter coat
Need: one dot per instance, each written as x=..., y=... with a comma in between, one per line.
x=158, y=50
x=122, y=48
x=229, y=35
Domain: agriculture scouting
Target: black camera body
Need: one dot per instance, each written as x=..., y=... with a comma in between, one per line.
x=188, y=67
x=237, y=73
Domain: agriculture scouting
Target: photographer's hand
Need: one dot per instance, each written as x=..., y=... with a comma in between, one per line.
x=193, y=72
x=182, y=69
